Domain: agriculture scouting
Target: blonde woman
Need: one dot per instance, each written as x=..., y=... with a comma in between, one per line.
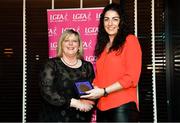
x=58, y=75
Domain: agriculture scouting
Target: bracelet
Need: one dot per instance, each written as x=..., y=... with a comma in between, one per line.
x=105, y=92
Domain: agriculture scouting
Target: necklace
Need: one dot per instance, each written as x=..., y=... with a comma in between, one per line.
x=68, y=63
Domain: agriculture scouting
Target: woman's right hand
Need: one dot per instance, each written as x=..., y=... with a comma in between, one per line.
x=95, y=93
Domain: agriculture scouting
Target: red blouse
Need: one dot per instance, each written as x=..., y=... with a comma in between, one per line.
x=123, y=67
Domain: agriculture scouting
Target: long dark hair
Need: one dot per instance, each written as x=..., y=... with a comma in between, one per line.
x=103, y=38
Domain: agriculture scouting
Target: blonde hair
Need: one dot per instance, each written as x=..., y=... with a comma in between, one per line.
x=66, y=34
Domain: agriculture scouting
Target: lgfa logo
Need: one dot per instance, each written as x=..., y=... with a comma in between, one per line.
x=90, y=58
x=87, y=45
x=82, y=16
x=98, y=16
x=75, y=29
x=52, y=32
x=58, y=17
x=53, y=45
x=91, y=30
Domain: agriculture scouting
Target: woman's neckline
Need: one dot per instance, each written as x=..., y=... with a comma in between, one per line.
x=78, y=64
x=74, y=64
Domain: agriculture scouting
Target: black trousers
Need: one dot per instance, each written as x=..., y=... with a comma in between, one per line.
x=125, y=113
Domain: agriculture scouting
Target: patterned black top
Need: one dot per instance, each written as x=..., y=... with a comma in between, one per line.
x=57, y=89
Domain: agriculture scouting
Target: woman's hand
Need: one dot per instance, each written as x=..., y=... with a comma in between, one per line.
x=95, y=93
x=82, y=104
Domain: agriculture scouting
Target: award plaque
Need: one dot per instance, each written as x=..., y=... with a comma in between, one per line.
x=82, y=87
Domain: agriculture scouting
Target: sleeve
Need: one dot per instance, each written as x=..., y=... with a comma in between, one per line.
x=133, y=57
x=95, y=80
x=48, y=85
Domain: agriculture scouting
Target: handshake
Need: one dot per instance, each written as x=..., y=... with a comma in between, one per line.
x=82, y=104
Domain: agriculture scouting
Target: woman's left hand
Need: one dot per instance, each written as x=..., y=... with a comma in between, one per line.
x=94, y=93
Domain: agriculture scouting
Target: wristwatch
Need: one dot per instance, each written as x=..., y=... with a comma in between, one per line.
x=105, y=92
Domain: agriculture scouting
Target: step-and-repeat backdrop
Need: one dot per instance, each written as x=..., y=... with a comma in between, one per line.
x=84, y=20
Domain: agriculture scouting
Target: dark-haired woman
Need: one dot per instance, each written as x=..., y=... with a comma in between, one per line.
x=118, y=69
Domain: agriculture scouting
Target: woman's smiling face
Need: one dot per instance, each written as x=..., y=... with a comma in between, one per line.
x=70, y=45
x=111, y=22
